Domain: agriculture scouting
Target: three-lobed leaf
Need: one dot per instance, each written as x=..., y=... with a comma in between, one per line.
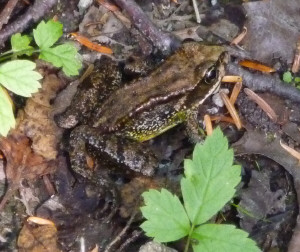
x=166, y=217
x=20, y=77
x=221, y=237
x=7, y=119
x=46, y=34
x=210, y=179
x=20, y=44
x=64, y=56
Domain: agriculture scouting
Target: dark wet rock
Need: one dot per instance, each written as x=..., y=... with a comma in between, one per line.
x=268, y=205
x=269, y=25
x=155, y=247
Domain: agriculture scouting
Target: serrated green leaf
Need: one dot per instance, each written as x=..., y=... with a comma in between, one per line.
x=20, y=43
x=7, y=119
x=287, y=77
x=46, y=34
x=225, y=238
x=166, y=218
x=64, y=56
x=210, y=178
x=19, y=77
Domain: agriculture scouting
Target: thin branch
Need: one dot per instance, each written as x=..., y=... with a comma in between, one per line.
x=32, y=15
x=165, y=42
x=265, y=82
x=6, y=12
x=122, y=233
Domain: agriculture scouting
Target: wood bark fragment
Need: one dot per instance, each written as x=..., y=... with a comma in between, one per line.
x=6, y=12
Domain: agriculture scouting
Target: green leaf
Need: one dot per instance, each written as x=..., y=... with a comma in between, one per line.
x=297, y=80
x=64, y=56
x=20, y=44
x=287, y=77
x=7, y=119
x=210, y=178
x=46, y=34
x=225, y=238
x=166, y=217
x=19, y=77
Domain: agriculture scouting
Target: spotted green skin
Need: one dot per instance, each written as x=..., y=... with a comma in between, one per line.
x=140, y=110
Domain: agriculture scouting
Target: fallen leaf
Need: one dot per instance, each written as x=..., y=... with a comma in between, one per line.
x=36, y=120
x=34, y=238
x=21, y=162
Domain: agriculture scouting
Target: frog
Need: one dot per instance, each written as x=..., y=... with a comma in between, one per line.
x=114, y=122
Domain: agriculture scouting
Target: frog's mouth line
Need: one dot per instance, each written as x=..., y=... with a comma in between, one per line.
x=213, y=90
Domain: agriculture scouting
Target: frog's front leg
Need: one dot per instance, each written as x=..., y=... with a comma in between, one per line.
x=124, y=152
x=90, y=94
x=192, y=128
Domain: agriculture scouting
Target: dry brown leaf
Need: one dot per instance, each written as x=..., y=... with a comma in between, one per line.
x=131, y=192
x=21, y=162
x=36, y=120
x=34, y=238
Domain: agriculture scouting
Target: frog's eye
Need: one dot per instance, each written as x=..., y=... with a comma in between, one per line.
x=211, y=75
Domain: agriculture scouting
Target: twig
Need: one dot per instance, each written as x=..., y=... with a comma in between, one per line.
x=265, y=82
x=9, y=192
x=6, y=12
x=291, y=151
x=296, y=63
x=32, y=15
x=198, y=19
x=231, y=109
x=208, y=125
x=165, y=42
x=239, y=37
x=135, y=235
x=122, y=233
x=235, y=92
x=262, y=104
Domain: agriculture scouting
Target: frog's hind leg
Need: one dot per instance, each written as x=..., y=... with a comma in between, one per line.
x=102, y=184
x=123, y=152
x=152, y=123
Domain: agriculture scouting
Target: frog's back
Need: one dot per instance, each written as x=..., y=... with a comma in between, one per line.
x=174, y=77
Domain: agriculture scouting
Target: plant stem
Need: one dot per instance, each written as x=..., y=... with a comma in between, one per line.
x=9, y=54
x=5, y=57
x=187, y=245
x=5, y=53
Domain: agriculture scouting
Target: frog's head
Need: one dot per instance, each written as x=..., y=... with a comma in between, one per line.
x=210, y=63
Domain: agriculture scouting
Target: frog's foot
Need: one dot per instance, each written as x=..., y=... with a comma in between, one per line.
x=125, y=153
